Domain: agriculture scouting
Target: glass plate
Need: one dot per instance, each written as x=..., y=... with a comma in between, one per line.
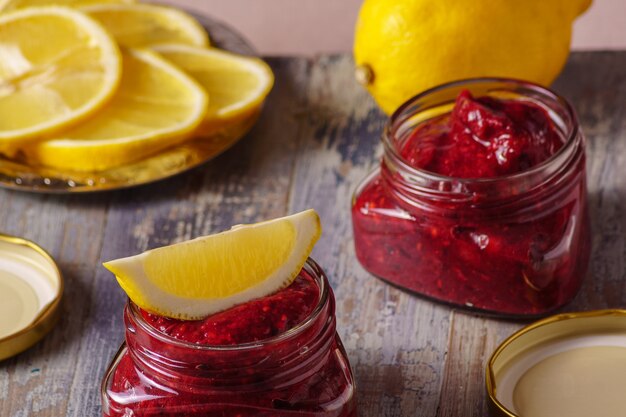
x=172, y=161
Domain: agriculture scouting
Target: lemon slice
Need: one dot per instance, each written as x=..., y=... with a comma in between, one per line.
x=57, y=66
x=141, y=25
x=236, y=84
x=6, y=5
x=156, y=106
x=196, y=278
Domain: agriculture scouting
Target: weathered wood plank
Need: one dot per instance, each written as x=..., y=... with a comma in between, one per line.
x=35, y=382
x=317, y=138
x=472, y=340
x=595, y=84
x=396, y=342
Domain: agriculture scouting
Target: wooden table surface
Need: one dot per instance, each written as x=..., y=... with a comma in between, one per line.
x=317, y=138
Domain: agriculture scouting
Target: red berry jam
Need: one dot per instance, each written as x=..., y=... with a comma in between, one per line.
x=250, y=322
x=483, y=137
x=275, y=356
x=480, y=200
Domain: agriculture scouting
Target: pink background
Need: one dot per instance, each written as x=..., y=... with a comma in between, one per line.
x=308, y=27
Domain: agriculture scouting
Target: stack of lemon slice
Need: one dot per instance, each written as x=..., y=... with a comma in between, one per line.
x=88, y=85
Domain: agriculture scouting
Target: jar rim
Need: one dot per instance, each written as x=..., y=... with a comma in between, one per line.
x=310, y=266
x=400, y=113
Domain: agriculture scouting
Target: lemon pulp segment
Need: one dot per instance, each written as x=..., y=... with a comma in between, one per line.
x=7, y=5
x=57, y=66
x=237, y=84
x=216, y=260
x=141, y=25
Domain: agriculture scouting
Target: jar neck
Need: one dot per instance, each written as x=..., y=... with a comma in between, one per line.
x=275, y=362
x=429, y=191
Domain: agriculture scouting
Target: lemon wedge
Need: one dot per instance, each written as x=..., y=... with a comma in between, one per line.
x=57, y=66
x=7, y=5
x=156, y=106
x=200, y=277
x=237, y=84
x=141, y=25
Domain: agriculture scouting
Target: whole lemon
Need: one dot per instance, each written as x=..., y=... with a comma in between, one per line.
x=403, y=47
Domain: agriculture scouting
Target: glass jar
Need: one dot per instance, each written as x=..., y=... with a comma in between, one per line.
x=513, y=245
x=302, y=372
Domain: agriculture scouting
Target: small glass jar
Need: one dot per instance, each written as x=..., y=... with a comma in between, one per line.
x=302, y=372
x=513, y=245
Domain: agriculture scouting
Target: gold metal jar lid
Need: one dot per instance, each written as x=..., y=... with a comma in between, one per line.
x=553, y=366
x=31, y=287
